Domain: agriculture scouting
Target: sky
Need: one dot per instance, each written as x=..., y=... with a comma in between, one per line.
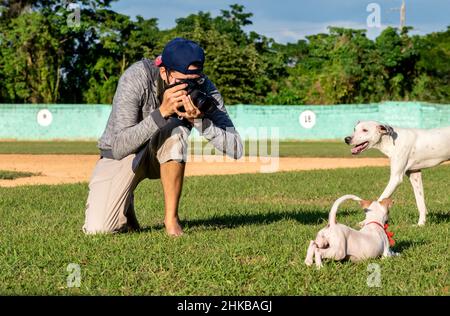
x=291, y=20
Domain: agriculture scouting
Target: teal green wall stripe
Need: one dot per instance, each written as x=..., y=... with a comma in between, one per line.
x=86, y=122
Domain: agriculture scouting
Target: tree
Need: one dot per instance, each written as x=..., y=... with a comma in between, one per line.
x=39, y=49
x=344, y=66
x=433, y=80
x=243, y=66
x=31, y=60
x=398, y=59
x=44, y=58
x=120, y=42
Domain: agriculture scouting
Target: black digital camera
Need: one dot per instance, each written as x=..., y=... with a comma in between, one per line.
x=195, y=88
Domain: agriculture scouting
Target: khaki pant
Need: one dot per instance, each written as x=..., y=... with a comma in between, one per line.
x=110, y=203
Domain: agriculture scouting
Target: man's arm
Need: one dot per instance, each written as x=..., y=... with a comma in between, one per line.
x=128, y=133
x=218, y=128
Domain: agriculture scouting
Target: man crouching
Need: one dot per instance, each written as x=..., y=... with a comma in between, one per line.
x=155, y=106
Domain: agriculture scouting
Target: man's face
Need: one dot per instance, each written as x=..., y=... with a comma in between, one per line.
x=173, y=76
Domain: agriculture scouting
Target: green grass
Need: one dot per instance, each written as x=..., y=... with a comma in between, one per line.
x=318, y=149
x=245, y=235
x=48, y=147
x=11, y=175
x=286, y=148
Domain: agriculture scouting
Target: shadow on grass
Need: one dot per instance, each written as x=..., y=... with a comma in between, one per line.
x=400, y=246
x=439, y=217
x=314, y=217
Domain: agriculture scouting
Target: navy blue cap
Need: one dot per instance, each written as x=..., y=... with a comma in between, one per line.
x=180, y=53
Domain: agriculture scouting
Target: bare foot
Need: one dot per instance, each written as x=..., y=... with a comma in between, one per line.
x=173, y=227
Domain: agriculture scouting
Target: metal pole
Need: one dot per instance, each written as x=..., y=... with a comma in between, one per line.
x=402, y=15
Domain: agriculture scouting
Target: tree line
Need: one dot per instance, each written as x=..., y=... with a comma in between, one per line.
x=54, y=51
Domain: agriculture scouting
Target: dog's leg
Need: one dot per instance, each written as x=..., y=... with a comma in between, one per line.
x=310, y=253
x=318, y=258
x=333, y=253
x=397, y=172
x=394, y=182
x=389, y=253
x=415, y=178
x=337, y=249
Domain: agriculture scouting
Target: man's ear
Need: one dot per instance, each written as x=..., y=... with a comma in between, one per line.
x=365, y=203
x=387, y=203
x=162, y=72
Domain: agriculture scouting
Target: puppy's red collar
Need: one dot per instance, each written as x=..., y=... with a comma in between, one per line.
x=388, y=234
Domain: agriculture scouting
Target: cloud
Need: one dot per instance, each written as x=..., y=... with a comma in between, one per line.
x=291, y=32
x=290, y=20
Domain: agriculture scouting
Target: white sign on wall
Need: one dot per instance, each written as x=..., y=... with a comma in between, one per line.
x=307, y=119
x=44, y=117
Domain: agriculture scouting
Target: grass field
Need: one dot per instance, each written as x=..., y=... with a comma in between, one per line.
x=11, y=175
x=286, y=148
x=245, y=235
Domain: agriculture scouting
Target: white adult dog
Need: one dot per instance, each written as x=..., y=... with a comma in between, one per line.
x=410, y=150
x=338, y=242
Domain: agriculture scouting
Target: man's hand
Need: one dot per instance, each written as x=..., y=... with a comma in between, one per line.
x=172, y=100
x=192, y=112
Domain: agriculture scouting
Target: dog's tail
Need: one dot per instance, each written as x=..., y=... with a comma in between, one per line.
x=334, y=208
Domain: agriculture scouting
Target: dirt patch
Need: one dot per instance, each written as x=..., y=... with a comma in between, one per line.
x=58, y=169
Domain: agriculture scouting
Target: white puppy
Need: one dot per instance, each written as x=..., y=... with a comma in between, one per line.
x=338, y=242
x=409, y=151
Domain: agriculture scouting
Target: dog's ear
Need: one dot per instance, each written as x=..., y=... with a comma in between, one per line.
x=365, y=203
x=387, y=203
x=385, y=129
